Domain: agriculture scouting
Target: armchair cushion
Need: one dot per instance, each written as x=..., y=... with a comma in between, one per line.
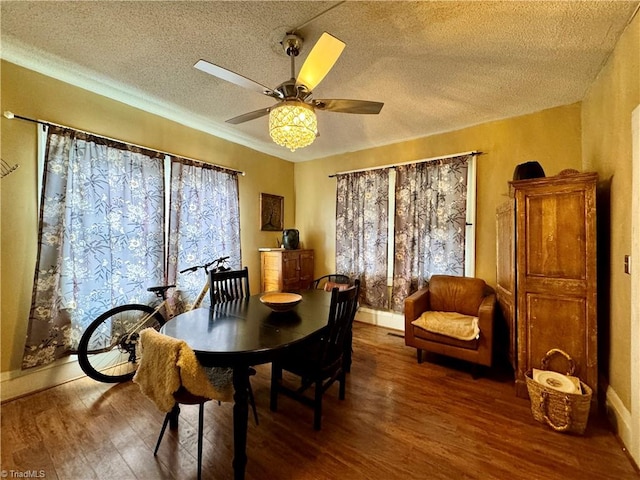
x=451, y=324
x=444, y=341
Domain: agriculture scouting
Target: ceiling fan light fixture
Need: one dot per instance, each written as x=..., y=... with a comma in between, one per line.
x=293, y=124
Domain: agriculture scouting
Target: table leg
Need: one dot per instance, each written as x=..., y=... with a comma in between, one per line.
x=240, y=420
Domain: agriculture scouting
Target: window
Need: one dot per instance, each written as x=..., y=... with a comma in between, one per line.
x=430, y=230
x=362, y=222
x=204, y=222
x=110, y=228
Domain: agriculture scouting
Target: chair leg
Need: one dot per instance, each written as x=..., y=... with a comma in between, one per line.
x=348, y=351
x=174, y=415
x=164, y=427
x=200, y=429
x=419, y=352
x=317, y=410
x=276, y=375
x=252, y=401
x=342, y=380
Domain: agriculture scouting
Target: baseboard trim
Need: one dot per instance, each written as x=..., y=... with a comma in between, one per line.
x=381, y=318
x=619, y=417
x=18, y=383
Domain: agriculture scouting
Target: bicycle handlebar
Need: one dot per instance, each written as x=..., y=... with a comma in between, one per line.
x=217, y=262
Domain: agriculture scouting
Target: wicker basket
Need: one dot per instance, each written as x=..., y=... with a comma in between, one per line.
x=563, y=412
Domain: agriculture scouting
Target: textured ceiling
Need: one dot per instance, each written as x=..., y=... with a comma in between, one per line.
x=437, y=66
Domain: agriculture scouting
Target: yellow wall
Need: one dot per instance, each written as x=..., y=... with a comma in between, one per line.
x=606, y=144
x=32, y=95
x=552, y=137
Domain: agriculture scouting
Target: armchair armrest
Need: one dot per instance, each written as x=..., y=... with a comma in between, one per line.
x=415, y=305
x=486, y=314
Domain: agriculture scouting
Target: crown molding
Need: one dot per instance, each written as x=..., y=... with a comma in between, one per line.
x=19, y=53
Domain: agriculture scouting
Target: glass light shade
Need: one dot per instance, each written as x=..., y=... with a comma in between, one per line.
x=293, y=124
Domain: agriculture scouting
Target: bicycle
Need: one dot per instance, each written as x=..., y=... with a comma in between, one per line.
x=108, y=349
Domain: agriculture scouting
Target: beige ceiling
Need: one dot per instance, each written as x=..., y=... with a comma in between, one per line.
x=437, y=66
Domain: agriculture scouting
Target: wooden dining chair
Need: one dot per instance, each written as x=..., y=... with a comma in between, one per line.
x=327, y=282
x=169, y=374
x=320, y=362
x=228, y=286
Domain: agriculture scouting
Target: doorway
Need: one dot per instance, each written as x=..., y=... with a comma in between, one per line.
x=635, y=287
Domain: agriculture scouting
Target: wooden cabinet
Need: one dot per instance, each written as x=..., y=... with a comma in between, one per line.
x=546, y=273
x=286, y=270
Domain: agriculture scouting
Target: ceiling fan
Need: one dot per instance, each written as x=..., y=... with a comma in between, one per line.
x=292, y=121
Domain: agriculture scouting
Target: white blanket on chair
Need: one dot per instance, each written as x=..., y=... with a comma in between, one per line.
x=451, y=324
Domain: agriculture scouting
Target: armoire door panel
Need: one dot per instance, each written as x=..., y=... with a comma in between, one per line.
x=542, y=284
x=556, y=322
x=555, y=240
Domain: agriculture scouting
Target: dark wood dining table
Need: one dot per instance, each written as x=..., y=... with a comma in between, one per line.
x=242, y=333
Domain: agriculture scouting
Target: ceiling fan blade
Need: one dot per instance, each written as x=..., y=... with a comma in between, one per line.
x=322, y=57
x=234, y=78
x=245, y=117
x=348, y=106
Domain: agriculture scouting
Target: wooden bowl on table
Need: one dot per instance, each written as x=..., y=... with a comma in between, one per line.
x=280, y=301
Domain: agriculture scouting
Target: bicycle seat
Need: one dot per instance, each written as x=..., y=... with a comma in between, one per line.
x=160, y=290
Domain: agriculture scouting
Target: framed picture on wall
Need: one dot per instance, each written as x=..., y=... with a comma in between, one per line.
x=271, y=212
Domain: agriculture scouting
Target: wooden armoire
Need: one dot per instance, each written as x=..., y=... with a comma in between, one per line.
x=546, y=273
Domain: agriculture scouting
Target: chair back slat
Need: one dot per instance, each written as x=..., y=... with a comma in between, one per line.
x=230, y=285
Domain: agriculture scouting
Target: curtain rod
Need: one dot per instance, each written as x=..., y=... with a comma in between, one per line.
x=393, y=165
x=11, y=115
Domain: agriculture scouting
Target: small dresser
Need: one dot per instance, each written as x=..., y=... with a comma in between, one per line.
x=285, y=270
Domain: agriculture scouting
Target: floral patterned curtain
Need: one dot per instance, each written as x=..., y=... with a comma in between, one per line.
x=204, y=222
x=100, y=239
x=362, y=210
x=431, y=199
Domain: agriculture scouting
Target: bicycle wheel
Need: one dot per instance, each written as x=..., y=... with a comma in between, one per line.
x=108, y=350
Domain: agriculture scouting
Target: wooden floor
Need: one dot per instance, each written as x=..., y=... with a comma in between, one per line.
x=400, y=420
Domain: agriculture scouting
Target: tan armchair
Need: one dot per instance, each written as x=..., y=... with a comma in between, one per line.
x=449, y=327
